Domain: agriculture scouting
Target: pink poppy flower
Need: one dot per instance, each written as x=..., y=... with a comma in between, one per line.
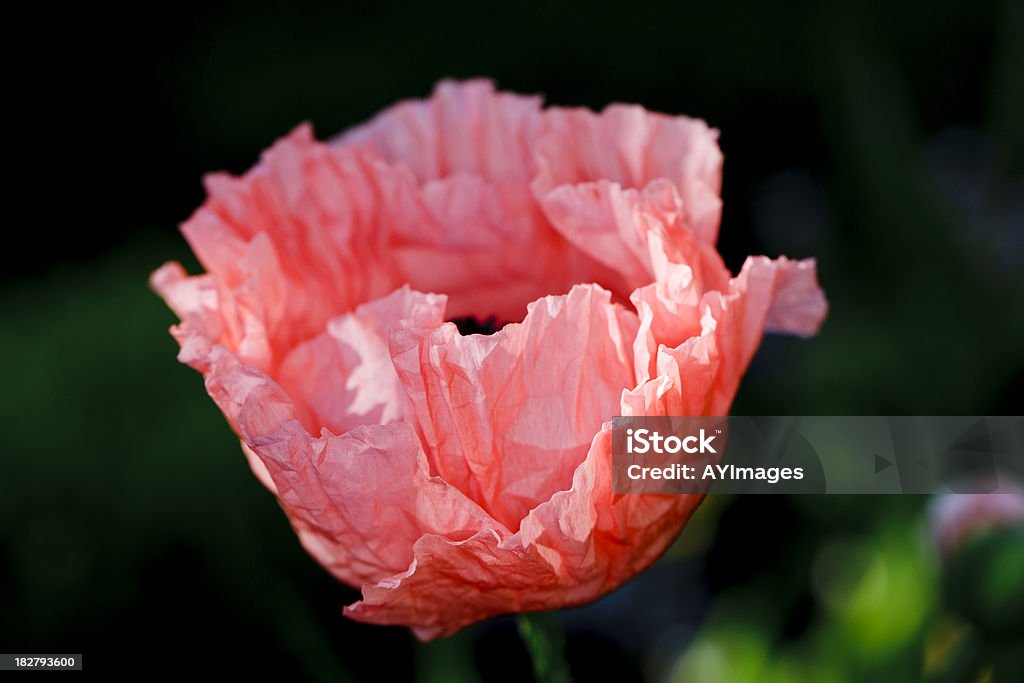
x=452, y=477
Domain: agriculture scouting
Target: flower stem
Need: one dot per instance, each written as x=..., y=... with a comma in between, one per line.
x=544, y=640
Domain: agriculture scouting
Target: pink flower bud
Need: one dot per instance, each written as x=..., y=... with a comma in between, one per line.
x=956, y=517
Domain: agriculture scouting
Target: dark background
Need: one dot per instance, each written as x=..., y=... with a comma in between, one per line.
x=885, y=139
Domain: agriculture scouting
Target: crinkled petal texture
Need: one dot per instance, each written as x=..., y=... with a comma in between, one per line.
x=455, y=477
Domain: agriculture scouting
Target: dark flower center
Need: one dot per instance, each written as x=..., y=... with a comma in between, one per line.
x=471, y=324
